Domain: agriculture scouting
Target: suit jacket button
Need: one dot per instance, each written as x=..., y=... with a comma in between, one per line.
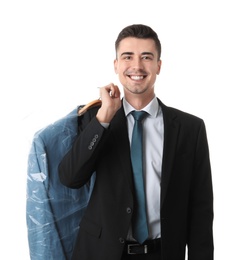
x=121, y=240
x=128, y=210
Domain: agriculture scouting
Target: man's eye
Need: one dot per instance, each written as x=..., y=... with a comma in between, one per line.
x=146, y=58
x=127, y=57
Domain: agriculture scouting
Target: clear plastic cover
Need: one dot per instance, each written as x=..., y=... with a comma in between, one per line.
x=53, y=211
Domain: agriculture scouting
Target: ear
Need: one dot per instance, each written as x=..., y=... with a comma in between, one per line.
x=159, y=64
x=115, y=63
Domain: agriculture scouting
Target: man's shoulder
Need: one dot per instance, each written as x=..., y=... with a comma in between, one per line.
x=176, y=113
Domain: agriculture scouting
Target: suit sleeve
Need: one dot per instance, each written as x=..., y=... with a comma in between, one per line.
x=200, y=237
x=78, y=165
x=43, y=236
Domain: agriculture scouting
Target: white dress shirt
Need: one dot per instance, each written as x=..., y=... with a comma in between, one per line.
x=153, y=133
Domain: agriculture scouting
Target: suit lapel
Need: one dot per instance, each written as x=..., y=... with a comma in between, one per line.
x=120, y=135
x=171, y=130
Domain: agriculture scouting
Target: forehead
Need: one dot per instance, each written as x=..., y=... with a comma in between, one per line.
x=137, y=46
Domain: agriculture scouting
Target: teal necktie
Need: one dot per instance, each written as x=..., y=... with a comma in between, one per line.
x=139, y=222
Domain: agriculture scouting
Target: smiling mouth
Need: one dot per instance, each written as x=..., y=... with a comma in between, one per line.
x=135, y=77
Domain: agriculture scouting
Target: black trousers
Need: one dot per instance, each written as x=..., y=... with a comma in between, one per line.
x=150, y=256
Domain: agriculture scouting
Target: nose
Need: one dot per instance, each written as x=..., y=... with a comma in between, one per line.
x=137, y=63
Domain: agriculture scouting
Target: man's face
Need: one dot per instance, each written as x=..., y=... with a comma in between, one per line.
x=137, y=65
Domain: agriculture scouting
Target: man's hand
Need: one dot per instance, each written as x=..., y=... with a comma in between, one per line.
x=111, y=102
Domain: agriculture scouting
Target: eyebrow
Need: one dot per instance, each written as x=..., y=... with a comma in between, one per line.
x=127, y=53
x=143, y=53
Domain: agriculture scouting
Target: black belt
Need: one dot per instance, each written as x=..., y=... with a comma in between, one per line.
x=132, y=248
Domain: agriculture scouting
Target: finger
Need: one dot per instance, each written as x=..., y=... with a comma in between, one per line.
x=114, y=91
x=105, y=91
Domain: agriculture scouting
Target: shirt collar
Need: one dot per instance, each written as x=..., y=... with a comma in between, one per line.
x=151, y=108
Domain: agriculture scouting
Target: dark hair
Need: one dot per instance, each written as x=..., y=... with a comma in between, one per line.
x=139, y=31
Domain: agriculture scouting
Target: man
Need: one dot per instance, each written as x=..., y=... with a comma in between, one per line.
x=176, y=166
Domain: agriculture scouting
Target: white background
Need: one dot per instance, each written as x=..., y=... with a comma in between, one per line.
x=55, y=54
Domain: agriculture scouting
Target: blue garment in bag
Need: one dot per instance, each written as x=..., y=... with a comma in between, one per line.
x=53, y=212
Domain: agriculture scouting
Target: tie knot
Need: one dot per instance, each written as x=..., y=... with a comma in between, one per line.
x=139, y=115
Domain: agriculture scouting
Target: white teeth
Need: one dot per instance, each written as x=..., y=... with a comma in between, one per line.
x=136, y=77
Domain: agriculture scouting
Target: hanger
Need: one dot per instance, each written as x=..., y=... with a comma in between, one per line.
x=89, y=105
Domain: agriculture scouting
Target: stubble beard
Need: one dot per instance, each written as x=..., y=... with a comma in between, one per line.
x=136, y=89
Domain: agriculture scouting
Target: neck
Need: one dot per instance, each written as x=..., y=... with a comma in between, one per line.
x=139, y=102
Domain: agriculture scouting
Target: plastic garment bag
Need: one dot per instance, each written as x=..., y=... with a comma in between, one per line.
x=53, y=211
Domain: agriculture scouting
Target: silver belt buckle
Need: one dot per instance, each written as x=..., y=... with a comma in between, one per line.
x=145, y=249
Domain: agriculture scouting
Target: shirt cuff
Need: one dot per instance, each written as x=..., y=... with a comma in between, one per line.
x=105, y=125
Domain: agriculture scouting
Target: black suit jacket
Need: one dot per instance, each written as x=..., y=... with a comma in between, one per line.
x=186, y=187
